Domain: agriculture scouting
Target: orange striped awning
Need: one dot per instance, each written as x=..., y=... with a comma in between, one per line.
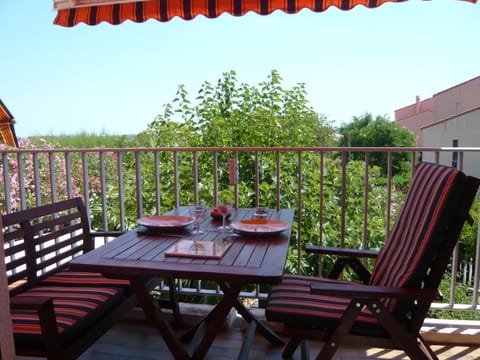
x=115, y=12
x=7, y=129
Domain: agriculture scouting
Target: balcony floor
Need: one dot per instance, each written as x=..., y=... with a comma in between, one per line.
x=131, y=339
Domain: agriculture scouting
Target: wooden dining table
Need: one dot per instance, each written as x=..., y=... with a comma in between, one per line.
x=249, y=258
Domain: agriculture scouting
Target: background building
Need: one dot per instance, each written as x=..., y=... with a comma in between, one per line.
x=415, y=116
x=451, y=118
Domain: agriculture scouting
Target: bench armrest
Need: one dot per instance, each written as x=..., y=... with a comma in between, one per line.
x=25, y=302
x=46, y=315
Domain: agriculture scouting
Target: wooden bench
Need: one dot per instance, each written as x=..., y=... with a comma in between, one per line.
x=58, y=313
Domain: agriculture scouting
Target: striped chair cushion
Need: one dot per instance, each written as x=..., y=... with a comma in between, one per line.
x=80, y=278
x=76, y=308
x=292, y=303
x=418, y=231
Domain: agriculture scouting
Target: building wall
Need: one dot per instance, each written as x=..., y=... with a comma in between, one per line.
x=416, y=122
x=457, y=99
x=465, y=128
x=443, y=105
x=415, y=116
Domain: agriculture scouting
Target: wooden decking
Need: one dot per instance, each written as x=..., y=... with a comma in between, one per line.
x=133, y=340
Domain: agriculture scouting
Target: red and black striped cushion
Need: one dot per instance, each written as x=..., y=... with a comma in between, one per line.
x=418, y=231
x=76, y=308
x=292, y=303
x=403, y=262
x=81, y=278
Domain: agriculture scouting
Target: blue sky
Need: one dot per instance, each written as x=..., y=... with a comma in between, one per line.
x=116, y=79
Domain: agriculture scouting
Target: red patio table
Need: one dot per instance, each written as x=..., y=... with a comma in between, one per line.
x=249, y=259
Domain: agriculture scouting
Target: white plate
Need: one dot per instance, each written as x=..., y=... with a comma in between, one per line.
x=260, y=226
x=165, y=221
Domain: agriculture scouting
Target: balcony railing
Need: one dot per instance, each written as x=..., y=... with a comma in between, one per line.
x=333, y=195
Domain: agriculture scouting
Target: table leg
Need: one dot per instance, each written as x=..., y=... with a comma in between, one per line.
x=202, y=335
x=248, y=316
x=248, y=341
x=189, y=335
x=146, y=302
x=212, y=323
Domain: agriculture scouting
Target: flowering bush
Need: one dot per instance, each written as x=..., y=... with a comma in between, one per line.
x=35, y=177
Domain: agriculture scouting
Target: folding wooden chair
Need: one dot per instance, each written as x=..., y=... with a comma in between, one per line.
x=387, y=310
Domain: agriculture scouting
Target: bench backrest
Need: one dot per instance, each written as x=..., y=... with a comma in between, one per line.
x=7, y=346
x=41, y=240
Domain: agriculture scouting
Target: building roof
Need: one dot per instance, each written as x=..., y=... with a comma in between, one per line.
x=7, y=129
x=458, y=85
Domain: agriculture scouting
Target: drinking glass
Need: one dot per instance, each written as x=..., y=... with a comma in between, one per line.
x=197, y=211
x=224, y=208
x=260, y=213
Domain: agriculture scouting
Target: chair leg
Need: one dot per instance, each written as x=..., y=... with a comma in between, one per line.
x=426, y=348
x=417, y=349
x=290, y=348
x=305, y=348
x=333, y=342
x=413, y=345
x=328, y=351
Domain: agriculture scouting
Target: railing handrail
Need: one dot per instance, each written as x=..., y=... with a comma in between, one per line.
x=248, y=149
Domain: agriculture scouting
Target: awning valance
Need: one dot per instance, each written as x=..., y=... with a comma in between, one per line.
x=93, y=12
x=7, y=127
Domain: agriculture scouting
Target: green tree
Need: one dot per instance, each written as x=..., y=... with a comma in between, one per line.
x=267, y=115
x=235, y=114
x=366, y=131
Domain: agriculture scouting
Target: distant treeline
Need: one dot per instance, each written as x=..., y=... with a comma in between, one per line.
x=89, y=140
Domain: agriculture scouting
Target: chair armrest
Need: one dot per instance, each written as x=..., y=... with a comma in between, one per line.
x=366, y=291
x=346, y=257
x=341, y=251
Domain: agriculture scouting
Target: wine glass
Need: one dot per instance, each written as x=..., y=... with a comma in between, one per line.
x=197, y=211
x=224, y=207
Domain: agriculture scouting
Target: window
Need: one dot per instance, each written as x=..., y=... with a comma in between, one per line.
x=455, y=154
